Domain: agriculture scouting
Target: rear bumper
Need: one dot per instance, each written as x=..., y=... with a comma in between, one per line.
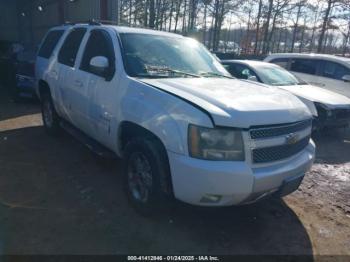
x=216, y=183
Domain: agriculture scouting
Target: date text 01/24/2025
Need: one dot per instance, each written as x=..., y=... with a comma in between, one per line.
x=173, y=258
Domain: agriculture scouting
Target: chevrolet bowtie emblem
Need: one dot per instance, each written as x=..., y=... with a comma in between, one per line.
x=292, y=139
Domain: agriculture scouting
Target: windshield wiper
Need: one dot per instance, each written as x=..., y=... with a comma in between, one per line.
x=167, y=69
x=215, y=74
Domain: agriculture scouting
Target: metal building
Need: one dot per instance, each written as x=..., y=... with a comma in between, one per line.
x=26, y=21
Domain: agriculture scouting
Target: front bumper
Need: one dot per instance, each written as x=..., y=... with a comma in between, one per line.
x=217, y=183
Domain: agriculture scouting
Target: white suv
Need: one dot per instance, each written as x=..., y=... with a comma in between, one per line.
x=163, y=103
x=327, y=71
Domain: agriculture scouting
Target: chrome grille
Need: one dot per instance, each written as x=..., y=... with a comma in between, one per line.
x=268, y=154
x=279, y=130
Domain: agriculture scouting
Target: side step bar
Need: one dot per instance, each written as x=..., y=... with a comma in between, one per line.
x=89, y=142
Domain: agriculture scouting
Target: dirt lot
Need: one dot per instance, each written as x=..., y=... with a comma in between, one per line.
x=56, y=197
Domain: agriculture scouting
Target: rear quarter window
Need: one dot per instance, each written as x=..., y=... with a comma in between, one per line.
x=50, y=43
x=306, y=66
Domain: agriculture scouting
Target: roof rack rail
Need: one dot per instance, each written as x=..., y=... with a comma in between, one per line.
x=107, y=22
x=90, y=22
x=102, y=22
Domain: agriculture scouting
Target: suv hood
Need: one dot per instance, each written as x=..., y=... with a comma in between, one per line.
x=320, y=95
x=236, y=103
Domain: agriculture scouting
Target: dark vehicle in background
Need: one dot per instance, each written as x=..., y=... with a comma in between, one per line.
x=5, y=61
x=24, y=70
x=17, y=66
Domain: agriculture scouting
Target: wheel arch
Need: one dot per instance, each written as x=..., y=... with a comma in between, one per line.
x=129, y=130
x=43, y=88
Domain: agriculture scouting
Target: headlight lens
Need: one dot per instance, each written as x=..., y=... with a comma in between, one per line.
x=218, y=144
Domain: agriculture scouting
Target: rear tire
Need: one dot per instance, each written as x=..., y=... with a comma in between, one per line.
x=144, y=168
x=50, y=117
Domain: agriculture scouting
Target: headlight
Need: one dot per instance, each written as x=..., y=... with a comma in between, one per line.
x=215, y=144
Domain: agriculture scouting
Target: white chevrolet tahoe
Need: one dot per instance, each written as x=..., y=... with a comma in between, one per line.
x=163, y=103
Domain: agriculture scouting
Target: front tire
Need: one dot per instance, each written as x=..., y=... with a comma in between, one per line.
x=144, y=168
x=50, y=117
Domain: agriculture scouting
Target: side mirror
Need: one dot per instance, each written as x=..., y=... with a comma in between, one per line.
x=99, y=65
x=346, y=78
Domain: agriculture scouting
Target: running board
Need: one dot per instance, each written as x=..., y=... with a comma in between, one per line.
x=89, y=142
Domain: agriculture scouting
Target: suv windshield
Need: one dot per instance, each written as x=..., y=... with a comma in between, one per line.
x=276, y=76
x=162, y=56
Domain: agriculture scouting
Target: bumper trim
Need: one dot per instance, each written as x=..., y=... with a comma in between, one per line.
x=236, y=182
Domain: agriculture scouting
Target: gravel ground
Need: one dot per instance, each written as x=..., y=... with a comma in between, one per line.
x=56, y=197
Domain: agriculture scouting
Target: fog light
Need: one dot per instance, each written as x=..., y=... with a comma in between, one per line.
x=208, y=198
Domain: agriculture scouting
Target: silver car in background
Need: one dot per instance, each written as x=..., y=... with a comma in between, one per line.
x=332, y=109
x=327, y=71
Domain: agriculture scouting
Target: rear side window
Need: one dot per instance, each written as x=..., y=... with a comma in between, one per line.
x=239, y=71
x=70, y=47
x=283, y=62
x=50, y=43
x=334, y=70
x=306, y=66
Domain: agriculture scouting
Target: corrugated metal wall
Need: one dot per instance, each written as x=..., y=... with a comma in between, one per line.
x=24, y=22
x=82, y=10
x=35, y=23
x=8, y=21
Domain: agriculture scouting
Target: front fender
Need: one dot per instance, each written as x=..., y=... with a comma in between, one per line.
x=163, y=114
